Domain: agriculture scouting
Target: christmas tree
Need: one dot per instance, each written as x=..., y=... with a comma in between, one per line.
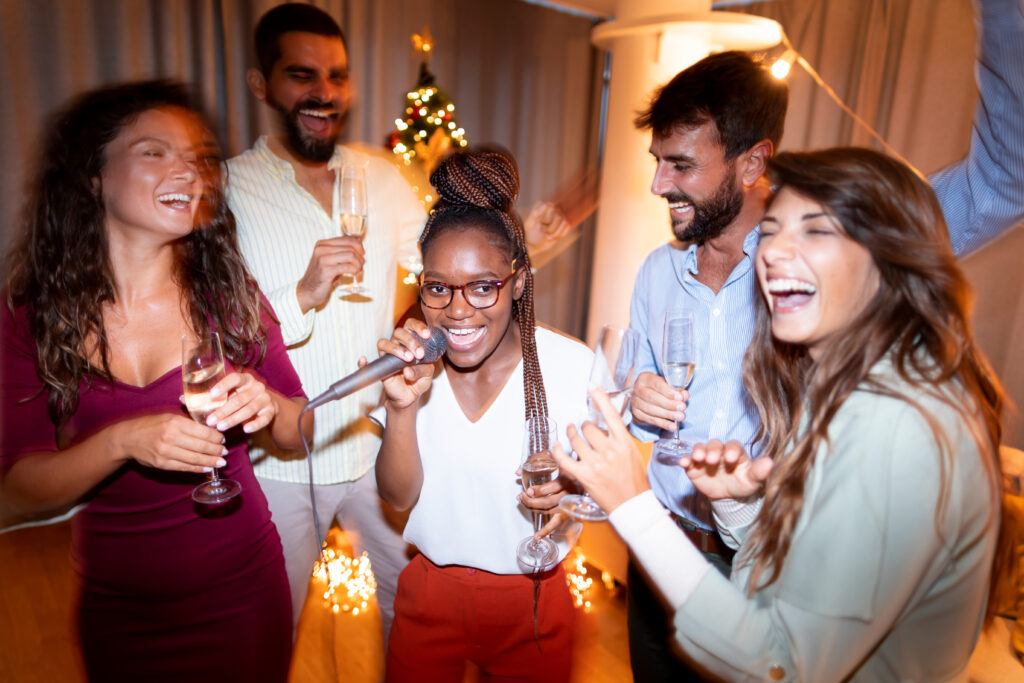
x=428, y=129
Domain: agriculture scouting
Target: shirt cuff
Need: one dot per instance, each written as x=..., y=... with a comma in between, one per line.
x=673, y=564
x=379, y=415
x=732, y=512
x=296, y=326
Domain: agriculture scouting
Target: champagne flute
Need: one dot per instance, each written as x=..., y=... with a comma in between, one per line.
x=351, y=215
x=202, y=366
x=539, y=467
x=614, y=372
x=677, y=366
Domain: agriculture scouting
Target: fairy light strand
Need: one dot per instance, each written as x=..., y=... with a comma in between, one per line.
x=806, y=66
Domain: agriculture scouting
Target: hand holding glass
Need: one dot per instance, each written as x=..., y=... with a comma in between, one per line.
x=202, y=367
x=351, y=214
x=538, y=468
x=614, y=372
x=677, y=365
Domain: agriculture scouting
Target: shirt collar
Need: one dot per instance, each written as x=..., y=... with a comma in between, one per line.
x=686, y=259
x=283, y=167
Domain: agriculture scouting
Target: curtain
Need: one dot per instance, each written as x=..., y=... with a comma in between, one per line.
x=520, y=75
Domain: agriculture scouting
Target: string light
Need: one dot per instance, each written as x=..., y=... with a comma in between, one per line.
x=781, y=67
x=580, y=585
x=795, y=57
x=349, y=584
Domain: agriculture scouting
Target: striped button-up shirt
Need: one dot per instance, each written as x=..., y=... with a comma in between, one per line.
x=981, y=197
x=278, y=224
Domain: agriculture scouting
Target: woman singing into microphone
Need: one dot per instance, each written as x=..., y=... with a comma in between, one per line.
x=453, y=443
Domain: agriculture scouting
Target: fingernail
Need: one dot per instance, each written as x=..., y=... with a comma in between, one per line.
x=247, y=428
x=223, y=451
x=214, y=393
x=222, y=440
x=207, y=469
x=221, y=462
x=221, y=426
x=211, y=421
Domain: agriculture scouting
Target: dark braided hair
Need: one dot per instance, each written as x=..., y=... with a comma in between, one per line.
x=478, y=189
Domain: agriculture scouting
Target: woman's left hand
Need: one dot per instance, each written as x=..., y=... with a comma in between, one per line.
x=609, y=466
x=249, y=404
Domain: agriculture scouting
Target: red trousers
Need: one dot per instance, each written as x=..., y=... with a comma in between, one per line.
x=445, y=616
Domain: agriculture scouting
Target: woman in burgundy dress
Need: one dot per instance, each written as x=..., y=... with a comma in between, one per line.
x=127, y=248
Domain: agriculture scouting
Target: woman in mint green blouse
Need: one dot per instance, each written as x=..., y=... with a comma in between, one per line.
x=866, y=532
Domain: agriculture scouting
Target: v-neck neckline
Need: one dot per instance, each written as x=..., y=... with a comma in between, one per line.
x=487, y=408
x=144, y=387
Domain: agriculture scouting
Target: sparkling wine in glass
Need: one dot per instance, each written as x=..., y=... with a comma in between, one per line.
x=538, y=467
x=678, y=360
x=613, y=371
x=202, y=366
x=351, y=215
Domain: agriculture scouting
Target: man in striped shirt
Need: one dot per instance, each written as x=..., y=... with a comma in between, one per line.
x=282, y=192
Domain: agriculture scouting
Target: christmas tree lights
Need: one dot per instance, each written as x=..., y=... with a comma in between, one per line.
x=428, y=128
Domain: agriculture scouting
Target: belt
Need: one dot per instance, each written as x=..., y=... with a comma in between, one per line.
x=706, y=540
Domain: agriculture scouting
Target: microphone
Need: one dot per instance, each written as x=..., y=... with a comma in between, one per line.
x=383, y=367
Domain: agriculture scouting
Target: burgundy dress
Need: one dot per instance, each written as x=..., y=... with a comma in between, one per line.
x=169, y=590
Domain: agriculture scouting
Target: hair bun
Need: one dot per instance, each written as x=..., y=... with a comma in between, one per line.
x=485, y=178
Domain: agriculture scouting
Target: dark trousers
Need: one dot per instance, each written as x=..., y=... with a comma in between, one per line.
x=652, y=655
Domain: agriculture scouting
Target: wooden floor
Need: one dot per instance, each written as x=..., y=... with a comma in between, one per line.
x=36, y=588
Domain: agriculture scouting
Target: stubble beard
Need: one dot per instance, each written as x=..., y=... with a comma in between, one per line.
x=713, y=215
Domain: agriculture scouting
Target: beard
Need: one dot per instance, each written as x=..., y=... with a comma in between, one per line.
x=711, y=216
x=310, y=148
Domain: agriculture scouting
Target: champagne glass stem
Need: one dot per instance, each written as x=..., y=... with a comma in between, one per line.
x=538, y=521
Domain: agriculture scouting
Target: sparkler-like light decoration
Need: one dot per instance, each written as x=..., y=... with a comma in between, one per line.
x=580, y=585
x=348, y=581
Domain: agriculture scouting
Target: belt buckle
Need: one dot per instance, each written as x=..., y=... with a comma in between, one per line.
x=691, y=529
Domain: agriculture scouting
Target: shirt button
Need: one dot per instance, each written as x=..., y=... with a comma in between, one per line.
x=776, y=673
x=717, y=312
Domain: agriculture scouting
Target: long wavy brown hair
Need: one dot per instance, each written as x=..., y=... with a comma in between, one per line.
x=919, y=318
x=59, y=268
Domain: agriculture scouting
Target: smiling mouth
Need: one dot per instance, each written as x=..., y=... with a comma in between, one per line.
x=789, y=293
x=462, y=338
x=318, y=120
x=177, y=200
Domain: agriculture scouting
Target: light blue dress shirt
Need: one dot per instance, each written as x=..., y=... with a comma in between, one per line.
x=981, y=196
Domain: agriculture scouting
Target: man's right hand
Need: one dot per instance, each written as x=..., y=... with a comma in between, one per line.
x=331, y=259
x=655, y=402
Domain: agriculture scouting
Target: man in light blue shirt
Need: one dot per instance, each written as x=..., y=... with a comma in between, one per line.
x=714, y=126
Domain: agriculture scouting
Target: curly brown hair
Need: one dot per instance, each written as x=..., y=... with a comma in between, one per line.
x=59, y=268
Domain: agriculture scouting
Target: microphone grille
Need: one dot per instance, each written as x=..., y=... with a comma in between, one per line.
x=434, y=347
